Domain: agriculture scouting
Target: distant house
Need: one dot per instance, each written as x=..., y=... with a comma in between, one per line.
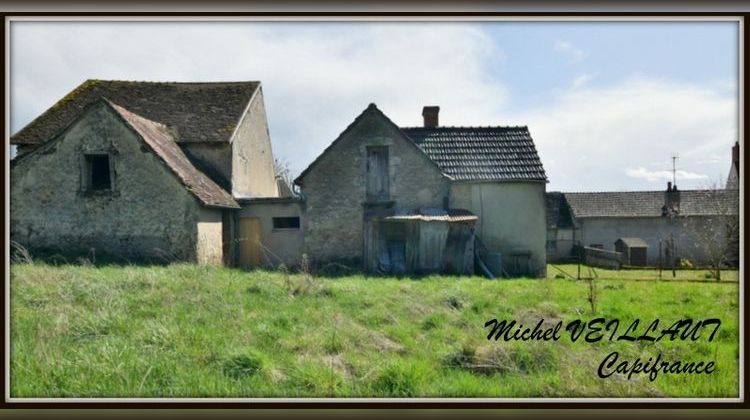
x=560, y=232
x=142, y=170
x=393, y=199
x=670, y=224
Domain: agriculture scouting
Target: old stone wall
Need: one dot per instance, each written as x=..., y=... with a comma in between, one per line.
x=148, y=214
x=334, y=188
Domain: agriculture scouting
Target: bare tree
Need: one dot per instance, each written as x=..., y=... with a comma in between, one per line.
x=718, y=237
x=284, y=177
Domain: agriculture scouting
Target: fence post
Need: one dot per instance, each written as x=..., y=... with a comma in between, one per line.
x=660, y=262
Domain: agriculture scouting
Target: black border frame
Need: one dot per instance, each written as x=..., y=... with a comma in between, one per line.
x=371, y=15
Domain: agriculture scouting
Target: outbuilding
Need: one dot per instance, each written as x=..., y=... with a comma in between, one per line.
x=634, y=251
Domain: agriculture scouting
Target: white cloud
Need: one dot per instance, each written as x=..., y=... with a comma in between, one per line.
x=317, y=76
x=662, y=175
x=581, y=80
x=588, y=137
x=569, y=50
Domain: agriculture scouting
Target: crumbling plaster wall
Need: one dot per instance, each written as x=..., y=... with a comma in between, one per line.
x=253, y=172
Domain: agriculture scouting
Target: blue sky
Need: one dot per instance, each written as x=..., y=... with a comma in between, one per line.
x=701, y=53
x=607, y=103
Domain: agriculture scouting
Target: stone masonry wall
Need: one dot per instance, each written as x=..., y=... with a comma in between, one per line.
x=149, y=213
x=334, y=189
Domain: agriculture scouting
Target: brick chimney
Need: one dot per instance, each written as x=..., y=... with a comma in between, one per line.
x=430, y=115
x=736, y=155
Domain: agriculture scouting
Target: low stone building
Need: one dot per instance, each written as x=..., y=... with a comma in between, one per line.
x=672, y=224
x=141, y=170
x=184, y=171
x=393, y=199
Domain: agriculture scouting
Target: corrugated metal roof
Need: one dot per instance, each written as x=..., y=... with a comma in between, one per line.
x=196, y=112
x=158, y=137
x=433, y=214
x=481, y=153
x=650, y=203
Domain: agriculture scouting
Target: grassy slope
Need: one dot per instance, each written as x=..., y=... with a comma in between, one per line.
x=194, y=331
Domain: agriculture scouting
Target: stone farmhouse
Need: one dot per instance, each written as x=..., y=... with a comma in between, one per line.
x=141, y=170
x=671, y=224
x=418, y=199
x=185, y=171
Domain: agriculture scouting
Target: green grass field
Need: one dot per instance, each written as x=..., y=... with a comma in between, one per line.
x=190, y=331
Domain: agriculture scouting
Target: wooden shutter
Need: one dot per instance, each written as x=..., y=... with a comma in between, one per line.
x=377, y=173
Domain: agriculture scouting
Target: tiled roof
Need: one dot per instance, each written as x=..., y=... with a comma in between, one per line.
x=159, y=138
x=480, y=153
x=431, y=214
x=195, y=112
x=650, y=203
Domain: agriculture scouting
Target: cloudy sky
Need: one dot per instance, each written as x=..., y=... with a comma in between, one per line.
x=607, y=103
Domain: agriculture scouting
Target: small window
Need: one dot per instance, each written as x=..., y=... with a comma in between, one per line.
x=98, y=175
x=286, y=222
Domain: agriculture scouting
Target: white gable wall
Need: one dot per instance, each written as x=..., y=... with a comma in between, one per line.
x=511, y=217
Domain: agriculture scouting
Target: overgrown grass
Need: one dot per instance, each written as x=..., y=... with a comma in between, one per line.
x=189, y=331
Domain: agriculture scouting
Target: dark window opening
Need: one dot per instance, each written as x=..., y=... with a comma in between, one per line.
x=98, y=176
x=286, y=222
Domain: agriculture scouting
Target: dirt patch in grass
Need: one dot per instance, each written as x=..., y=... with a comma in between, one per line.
x=371, y=338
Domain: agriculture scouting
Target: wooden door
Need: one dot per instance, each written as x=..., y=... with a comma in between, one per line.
x=249, y=240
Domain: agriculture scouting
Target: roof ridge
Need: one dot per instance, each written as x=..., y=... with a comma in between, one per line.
x=636, y=191
x=473, y=127
x=157, y=82
x=198, y=111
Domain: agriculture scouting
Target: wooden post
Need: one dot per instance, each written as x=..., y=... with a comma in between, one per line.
x=660, y=262
x=671, y=245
